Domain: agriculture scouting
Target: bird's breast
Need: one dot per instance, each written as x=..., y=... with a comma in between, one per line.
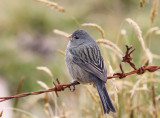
x=76, y=72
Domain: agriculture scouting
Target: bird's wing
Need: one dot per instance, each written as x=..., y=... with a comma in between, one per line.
x=89, y=58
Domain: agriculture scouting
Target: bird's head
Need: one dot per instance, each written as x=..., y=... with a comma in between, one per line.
x=80, y=37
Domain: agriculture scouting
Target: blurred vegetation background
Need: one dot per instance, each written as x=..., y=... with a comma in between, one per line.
x=27, y=41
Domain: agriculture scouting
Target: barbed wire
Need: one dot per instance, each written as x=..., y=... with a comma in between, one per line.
x=61, y=87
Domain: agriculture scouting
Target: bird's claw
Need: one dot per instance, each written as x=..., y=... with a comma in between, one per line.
x=72, y=90
x=72, y=84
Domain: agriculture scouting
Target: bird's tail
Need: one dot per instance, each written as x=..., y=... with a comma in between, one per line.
x=104, y=96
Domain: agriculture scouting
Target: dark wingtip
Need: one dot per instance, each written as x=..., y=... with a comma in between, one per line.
x=109, y=110
x=113, y=110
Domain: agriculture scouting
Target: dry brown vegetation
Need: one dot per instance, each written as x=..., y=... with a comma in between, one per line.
x=135, y=96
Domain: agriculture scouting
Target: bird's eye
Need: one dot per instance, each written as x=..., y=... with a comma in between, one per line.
x=76, y=37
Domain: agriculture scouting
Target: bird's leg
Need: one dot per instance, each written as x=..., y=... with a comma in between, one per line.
x=73, y=84
x=92, y=83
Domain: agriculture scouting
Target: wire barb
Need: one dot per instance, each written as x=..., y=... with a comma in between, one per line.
x=122, y=74
x=127, y=58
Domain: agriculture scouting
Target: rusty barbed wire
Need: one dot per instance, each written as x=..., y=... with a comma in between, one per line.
x=61, y=87
x=58, y=87
x=127, y=59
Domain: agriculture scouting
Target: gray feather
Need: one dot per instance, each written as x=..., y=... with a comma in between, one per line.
x=103, y=94
x=85, y=64
x=89, y=58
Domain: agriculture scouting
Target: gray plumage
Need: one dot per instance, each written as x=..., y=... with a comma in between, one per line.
x=85, y=64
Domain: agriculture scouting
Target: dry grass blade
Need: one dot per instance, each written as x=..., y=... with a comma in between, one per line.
x=154, y=10
x=142, y=2
x=124, y=83
x=142, y=89
x=138, y=31
x=91, y=94
x=18, y=91
x=158, y=97
x=61, y=52
x=111, y=46
x=155, y=56
x=149, y=55
x=45, y=69
x=30, y=115
x=150, y=31
x=54, y=98
x=63, y=111
x=157, y=73
x=135, y=107
x=158, y=32
x=111, y=72
x=86, y=111
x=136, y=86
x=151, y=80
x=96, y=26
x=47, y=107
x=46, y=104
x=43, y=85
x=1, y=113
x=52, y=4
x=62, y=33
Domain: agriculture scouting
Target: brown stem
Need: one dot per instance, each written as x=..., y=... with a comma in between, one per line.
x=154, y=99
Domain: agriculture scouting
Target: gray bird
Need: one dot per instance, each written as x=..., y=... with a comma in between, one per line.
x=85, y=65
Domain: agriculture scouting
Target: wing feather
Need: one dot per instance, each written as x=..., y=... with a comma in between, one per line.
x=89, y=58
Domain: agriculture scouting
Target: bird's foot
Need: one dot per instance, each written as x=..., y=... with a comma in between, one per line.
x=92, y=83
x=73, y=84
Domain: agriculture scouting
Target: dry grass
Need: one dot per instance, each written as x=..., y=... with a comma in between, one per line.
x=47, y=107
x=150, y=31
x=1, y=113
x=45, y=69
x=131, y=96
x=95, y=26
x=52, y=5
x=111, y=46
x=61, y=52
x=138, y=31
x=94, y=98
x=154, y=11
x=149, y=56
x=155, y=56
x=142, y=2
x=158, y=32
x=62, y=33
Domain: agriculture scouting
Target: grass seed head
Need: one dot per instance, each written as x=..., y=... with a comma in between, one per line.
x=52, y=5
x=154, y=11
x=62, y=33
x=111, y=46
x=138, y=31
x=95, y=26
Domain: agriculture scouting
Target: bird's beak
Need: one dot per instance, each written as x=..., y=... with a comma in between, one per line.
x=70, y=37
